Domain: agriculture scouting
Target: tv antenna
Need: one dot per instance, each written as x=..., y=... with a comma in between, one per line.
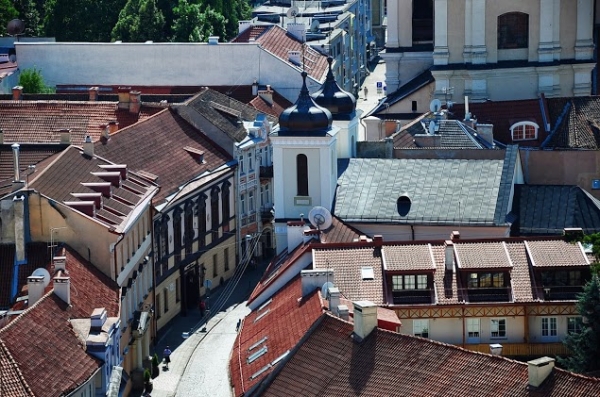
x=320, y=217
x=15, y=28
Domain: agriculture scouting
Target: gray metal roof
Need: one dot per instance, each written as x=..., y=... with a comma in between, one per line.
x=441, y=191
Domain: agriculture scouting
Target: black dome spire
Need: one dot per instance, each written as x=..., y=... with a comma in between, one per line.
x=305, y=117
x=340, y=103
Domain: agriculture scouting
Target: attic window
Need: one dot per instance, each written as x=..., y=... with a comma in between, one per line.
x=260, y=342
x=367, y=273
x=403, y=204
x=265, y=304
x=524, y=131
x=196, y=153
x=261, y=371
x=256, y=355
x=262, y=315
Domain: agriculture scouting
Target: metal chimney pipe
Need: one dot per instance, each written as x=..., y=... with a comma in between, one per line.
x=15, y=148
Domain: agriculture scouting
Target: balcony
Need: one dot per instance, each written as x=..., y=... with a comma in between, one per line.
x=524, y=349
x=266, y=171
x=560, y=293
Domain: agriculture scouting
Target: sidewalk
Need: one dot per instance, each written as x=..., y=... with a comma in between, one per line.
x=165, y=385
x=364, y=104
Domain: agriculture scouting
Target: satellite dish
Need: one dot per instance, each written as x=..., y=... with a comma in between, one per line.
x=314, y=25
x=15, y=27
x=41, y=272
x=325, y=289
x=432, y=127
x=292, y=12
x=320, y=217
x=435, y=105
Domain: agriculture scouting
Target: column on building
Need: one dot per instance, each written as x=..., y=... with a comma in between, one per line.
x=479, y=49
x=584, y=44
x=468, y=48
x=440, y=49
x=546, y=46
x=393, y=25
x=556, y=29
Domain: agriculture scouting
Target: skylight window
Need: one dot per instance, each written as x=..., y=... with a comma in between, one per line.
x=367, y=273
x=256, y=355
x=260, y=342
x=262, y=315
x=260, y=371
x=265, y=305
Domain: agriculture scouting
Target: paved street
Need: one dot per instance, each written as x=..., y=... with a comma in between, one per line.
x=365, y=105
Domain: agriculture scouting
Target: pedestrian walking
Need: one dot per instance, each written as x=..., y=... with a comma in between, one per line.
x=202, y=307
x=366, y=91
x=167, y=356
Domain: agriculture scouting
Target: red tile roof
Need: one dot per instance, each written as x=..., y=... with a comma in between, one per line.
x=28, y=155
x=548, y=253
x=160, y=143
x=330, y=363
x=339, y=232
x=489, y=255
x=408, y=257
x=277, y=41
x=503, y=115
x=575, y=123
x=252, y=32
x=12, y=383
x=47, y=352
x=41, y=121
x=278, y=326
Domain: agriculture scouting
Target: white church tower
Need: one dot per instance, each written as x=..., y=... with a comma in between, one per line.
x=305, y=154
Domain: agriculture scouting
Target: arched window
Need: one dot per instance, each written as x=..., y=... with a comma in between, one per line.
x=513, y=31
x=302, y=174
x=524, y=131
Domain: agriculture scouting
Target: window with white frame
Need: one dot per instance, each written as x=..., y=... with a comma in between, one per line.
x=498, y=328
x=549, y=330
x=574, y=325
x=251, y=206
x=473, y=330
x=421, y=328
x=250, y=162
x=241, y=162
x=524, y=131
x=243, y=203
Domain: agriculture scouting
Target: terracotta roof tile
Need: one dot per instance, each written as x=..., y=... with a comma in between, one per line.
x=12, y=383
x=159, y=143
x=41, y=121
x=575, y=123
x=522, y=289
x=489, y=255
x=251, y=32
x=339, y=232
x=330, y=363
x=347, y=265
x=445, y=282
x=408, y=257
x=276, y=325
x=553, y=253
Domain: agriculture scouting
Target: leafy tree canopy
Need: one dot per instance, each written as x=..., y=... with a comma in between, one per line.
x=7, y=12
x=32, y=82
x=140, y=20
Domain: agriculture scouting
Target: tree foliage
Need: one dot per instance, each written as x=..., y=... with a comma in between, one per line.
x=140, y=20
x=7, y=12
x=29, y=13
x=585, y=345
x=594, y=239
x=32, y=82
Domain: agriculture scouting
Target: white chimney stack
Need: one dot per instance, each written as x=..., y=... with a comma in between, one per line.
x=467, y=113
x=449, y=256
x=365, y=318
x=298, y=30
x=295, y=57
x=295, y=234
x=98, y=318
x=333, y=297
x=343, y=312
x=313, y=279
x=539, y=369
x=88, y=146
x=62, y=286
x=35, y=288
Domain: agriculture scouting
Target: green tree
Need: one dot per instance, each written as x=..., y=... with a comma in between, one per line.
x=585, y=345
x=188, y=23
x=32, y=82
x=7, y=12
x=29, y=13
x=594, y=240
x=139, y=20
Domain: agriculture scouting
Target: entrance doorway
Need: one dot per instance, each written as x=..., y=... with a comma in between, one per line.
x=192, y=287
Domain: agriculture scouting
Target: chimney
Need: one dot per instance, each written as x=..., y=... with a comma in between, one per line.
x=295, y=233
x=123, y=93
x=17, y=93
x=333, y=297
x=95, y=197
x=113, y=126
x=313, y=279
x=93, y=91
x=455, y=235
x=213, y=40
x=343, y=312
x=88, y=146
x=365, y=318
x=35, y=288
x=135, y=102
x=20, y=225
x=243, y=26
x=254, y=88
x=65, y=136
x=297, y=30
x=539, y=369
x=105, y=133
x=266, y=95
x=60, y=263
x=98, y=318
x=295, y=57
x=486, y=132
x=16, y=168
x=467, y=113
x=449, y=257
x=572, y=232
x=62, y=286
x=87, y=207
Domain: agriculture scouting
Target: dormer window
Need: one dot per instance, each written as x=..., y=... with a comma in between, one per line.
x=524, y=131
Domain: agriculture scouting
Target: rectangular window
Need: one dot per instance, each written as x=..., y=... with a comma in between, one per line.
x=421, y=328
x=396, y=283
x=243, y=203
x=251, y=207
x=262, y=196
x=250, y=163
x=241, y=161
x=178, y=290
x=226, y=258
x=473, y=330
x=498, y=328
x=473, y=280
x=166, y=299
x=409, y=282
x=574, y=325
x=421, y=281
x=414, y=106
x=549, y=328
x=215, y=270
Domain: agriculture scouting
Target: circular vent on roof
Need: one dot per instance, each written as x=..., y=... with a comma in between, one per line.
x=403, y=205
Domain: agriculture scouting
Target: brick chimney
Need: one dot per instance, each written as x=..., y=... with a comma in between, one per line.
x=65, y=136
x=313, y=279
x=113, y=126
x=365, y=318
x=539, y=369
x=123, y=93
x=93, y=91
x=135, y=101
x=17, y=93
